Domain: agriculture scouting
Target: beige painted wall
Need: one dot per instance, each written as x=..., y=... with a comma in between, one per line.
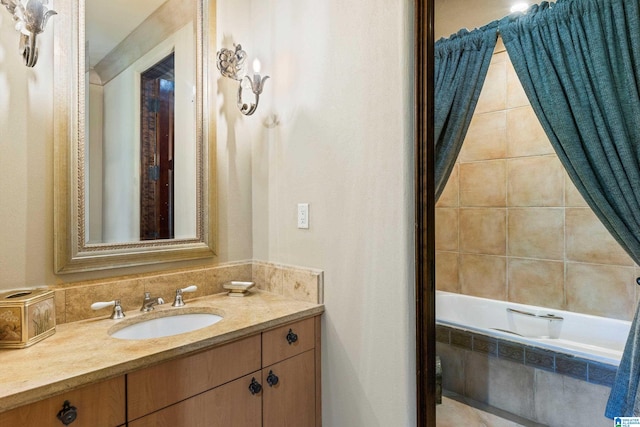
x=342, y=86
x=511, y=225
x=26, y=168
x=26, y=175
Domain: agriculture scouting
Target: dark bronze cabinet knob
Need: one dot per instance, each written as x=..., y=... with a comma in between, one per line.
x=291, y=337
x=272, y=379
x=68, y=413
x=255, y=387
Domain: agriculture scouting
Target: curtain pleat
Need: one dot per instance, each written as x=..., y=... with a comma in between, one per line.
x=461, y=64
x=579, y=64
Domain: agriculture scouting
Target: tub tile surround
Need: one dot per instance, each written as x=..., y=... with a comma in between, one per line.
x=510, y=224
x=560, y=363
x=542, y=386
x=73, y=300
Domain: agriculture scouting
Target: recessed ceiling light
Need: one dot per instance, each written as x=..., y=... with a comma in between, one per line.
x=519, y=7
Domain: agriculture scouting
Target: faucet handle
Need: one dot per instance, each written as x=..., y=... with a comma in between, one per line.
x=117, y=308
x=178, y=302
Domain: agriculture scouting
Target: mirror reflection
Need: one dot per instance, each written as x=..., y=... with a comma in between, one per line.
x=132, y=170
x=141, y=147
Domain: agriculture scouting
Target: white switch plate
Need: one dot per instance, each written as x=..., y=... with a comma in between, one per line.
x=303, y=215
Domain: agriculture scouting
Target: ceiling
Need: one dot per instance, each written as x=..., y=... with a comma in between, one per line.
x=109, y=22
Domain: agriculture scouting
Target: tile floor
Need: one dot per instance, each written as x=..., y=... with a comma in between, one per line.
x=457, y=411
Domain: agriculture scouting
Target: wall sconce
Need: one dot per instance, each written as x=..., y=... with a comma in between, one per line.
x=30, y=19
x=232, y=65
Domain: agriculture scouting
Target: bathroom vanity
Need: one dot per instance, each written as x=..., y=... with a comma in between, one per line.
x=259, y=366
x=261, y=380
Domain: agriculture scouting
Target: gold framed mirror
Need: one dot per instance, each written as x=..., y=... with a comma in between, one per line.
x=133, y=176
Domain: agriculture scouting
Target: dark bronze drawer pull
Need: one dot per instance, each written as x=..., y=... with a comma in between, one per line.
x=68, y=413
x=255, y=387
x=291, y=337
x=272, y=379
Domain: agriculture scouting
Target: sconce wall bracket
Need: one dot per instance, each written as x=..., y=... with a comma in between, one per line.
x=231, y=64
x=30, y=17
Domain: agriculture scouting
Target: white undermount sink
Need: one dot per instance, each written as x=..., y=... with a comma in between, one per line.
x=166, y=326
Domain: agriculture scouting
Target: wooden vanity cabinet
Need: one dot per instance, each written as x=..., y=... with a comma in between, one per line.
x=290, y=402
x=230, y=405
x=287, y=341
x=156, y=387
x=97, y=405
x=212, y=388
x=291, y=375
x=271, y=379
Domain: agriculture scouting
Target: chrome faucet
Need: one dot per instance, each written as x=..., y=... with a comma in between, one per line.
x=149, y=302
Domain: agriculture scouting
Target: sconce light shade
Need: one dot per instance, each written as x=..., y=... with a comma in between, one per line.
x=231, y=64
x=31, y=18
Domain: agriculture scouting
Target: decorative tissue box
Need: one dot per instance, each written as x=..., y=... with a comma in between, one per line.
x=26, y=317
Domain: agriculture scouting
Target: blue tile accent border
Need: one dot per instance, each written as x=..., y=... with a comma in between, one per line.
x=572, y=367
x=484, y=344
x=461, y=339
x=442, y=334
x=599, y=373
x=559, y=363
x=511, y=351
x=541, y=359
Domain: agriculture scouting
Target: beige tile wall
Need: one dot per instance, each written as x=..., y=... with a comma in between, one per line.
x=510, y=224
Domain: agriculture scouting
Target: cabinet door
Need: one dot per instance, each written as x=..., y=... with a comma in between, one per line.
x=230, y=405
x=292, y=401
x=97, y=405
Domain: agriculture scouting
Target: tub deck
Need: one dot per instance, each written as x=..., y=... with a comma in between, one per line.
x=587, y=337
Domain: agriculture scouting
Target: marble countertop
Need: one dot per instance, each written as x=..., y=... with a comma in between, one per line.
x=81, y=353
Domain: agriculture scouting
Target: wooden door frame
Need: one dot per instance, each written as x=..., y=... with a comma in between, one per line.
x=157, y=140
x=425, y=211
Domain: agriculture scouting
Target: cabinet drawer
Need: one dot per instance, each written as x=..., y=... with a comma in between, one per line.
x=230, y=405
x=278, y=344
x=159, y=386
x=97, y=405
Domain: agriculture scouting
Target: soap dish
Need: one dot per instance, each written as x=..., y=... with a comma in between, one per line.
x=238, y=289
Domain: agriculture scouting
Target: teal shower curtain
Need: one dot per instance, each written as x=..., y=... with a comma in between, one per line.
x=579, y=64
x=461, y=64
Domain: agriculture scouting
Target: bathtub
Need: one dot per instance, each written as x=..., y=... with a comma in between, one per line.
x=584, y=336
